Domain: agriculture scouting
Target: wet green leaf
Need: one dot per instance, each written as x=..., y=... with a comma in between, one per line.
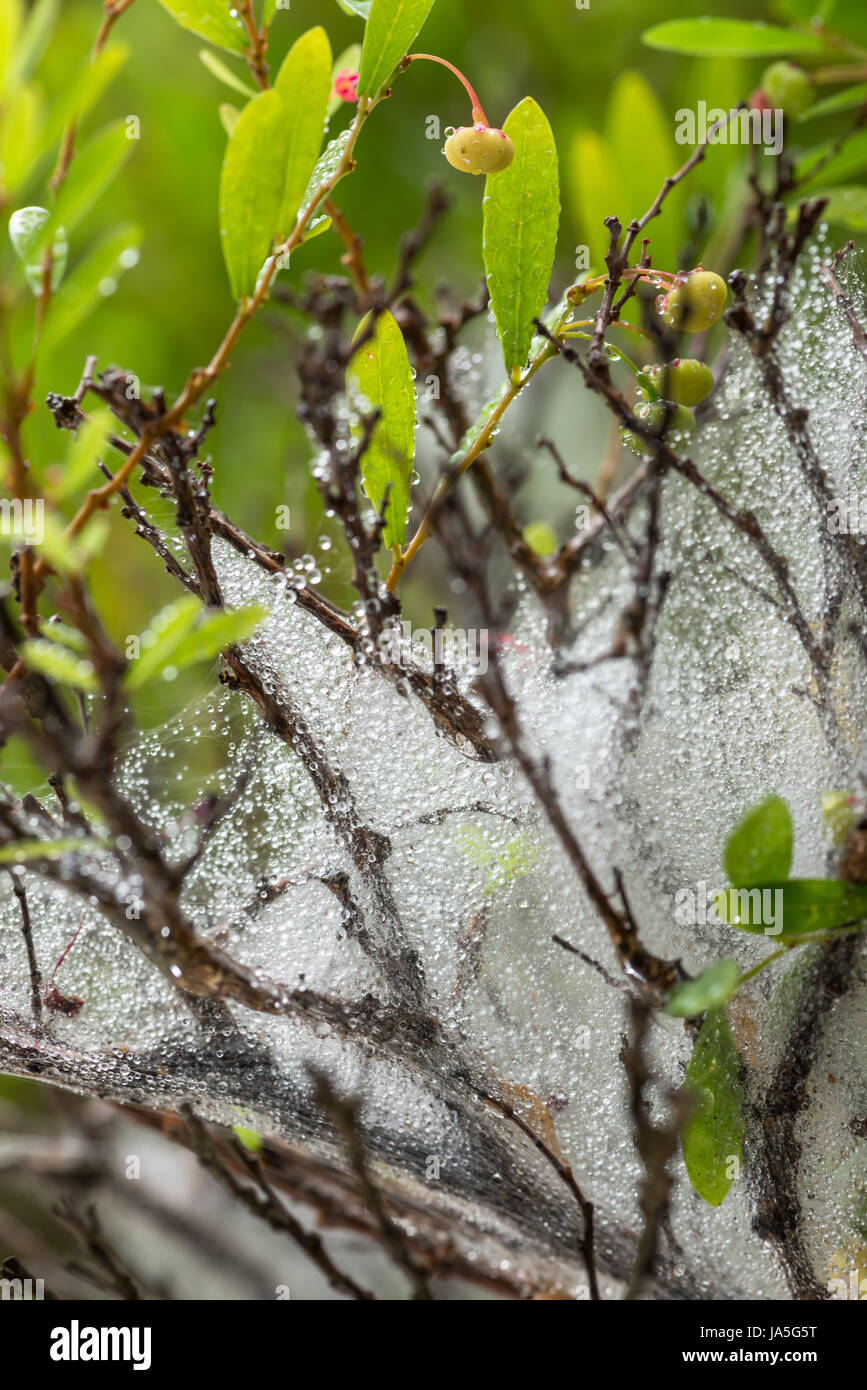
x=391, y=27
x=804, y=905
x=521, y=218
x=380, y=378
x=210, y=19
x=712, y=1137
x=28, y=234
x=304, y=86
x=707, y=991
x=251, y=190
x=759, y=849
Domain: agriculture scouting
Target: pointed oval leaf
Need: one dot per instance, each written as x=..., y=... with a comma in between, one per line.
x=759, y=849
x=93, y=280
x=835, y=167
x=214, y=20
x=59, y=665
x=359, y=7
x=96, y=166
x=216, y=631
x=35, y=36
x=733, y=38
x=380, y=378
x=83, y=90
x=160, y=641
x=713, y=1134
x=223, y=73
x=391, y=27
x=846, y=100
x=643, y=165
x=304, y=86
x=707, y=991
x=595, y=193
x=847, y=206
x=804, y=905
x=251, y=190
x=522, y=215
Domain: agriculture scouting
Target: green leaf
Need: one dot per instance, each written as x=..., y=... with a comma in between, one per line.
x=713, y=1134
x=229, y=116
x=847, y=207
x=59, y=665
x=805, y=905
x=211, y=20
x=642, y=165
x=391, y=27
x=851, y=159
x=707, y=991
x=347, y=61
x=359, y=7
x=759, y=849
x=251, y=190
x=248, y=1137
x=184, y=633
x=27, y=232
x=380, y=378
x=846, y=100
x=84, y=450
x=25, y=850
x=304, y=86
x=29, y=50
x=83, y=90
x=223, y=73
x=594, y=190
x=161, y=639
x=19, y=135
x=733, y=38
x=522, y=214
x=92, y=281
x=67, y=636
x=11, y=20
x=216, y=631
x=95, y=167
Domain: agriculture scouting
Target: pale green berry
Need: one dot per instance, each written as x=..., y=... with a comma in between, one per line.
x=788, y=87
x=685, y=380
x=479, y=149
x=680, y=429
x=694, y=303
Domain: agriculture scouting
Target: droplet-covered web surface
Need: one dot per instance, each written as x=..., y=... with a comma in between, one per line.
x=477, y=884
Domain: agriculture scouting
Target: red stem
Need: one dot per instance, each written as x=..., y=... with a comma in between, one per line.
x=478, y=113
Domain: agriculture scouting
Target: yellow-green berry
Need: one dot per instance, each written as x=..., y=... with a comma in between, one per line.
x=479, y=149
x=685, y=380
x=788, y=87
x=695, y=302
x=679, y=430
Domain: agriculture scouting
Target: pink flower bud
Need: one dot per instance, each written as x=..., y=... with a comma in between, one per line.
x=346, y=85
